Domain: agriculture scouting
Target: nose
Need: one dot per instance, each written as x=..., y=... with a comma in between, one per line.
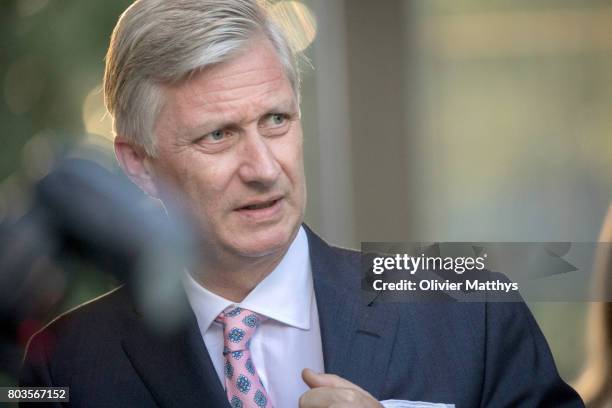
x=259, y=164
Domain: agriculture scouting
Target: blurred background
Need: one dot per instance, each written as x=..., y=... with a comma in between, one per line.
x=426, y=120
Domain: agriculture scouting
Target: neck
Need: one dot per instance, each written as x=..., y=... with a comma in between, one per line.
x=235, y=278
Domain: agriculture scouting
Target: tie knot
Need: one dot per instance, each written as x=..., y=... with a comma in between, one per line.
x=238, y=327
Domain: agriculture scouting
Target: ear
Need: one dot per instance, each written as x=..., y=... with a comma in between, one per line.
x=136, y=164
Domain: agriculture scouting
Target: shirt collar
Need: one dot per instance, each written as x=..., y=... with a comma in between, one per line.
x=285, y=295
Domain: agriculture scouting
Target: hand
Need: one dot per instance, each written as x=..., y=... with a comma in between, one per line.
x=331, y=391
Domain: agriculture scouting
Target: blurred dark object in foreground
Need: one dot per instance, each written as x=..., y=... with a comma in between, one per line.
x=82, y=211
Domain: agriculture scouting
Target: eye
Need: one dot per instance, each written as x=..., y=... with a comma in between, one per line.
x=216, y=136
x=274, y=120
x=274, y=124
x=277, y=119
x=217, y=140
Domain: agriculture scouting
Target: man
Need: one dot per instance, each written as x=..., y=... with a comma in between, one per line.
x=205, y=97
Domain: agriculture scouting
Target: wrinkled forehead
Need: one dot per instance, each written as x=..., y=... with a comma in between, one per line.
x=253, y=79
x=256, y=58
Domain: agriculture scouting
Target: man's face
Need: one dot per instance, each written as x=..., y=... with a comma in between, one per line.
x=230, y=139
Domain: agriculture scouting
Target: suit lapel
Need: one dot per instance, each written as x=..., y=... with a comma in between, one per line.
x=176, y=367
x=357, y=334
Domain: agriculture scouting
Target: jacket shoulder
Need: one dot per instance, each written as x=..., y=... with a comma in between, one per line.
x=107, y=307
x=97, y=321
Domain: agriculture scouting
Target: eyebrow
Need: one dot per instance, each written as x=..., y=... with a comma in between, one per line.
x=286, y=106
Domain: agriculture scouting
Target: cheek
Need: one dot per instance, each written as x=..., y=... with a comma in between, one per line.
x=289, y=153
x=205, y=182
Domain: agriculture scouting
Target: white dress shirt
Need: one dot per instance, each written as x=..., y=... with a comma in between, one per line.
x=287, y=341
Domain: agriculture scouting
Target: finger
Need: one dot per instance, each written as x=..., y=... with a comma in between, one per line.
x=325, y=397
x=315, y=380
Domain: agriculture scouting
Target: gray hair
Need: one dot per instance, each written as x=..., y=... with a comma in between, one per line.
x=164, y=41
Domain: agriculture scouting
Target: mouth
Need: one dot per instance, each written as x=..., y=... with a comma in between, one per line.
x=263, y=208
x=259, y=206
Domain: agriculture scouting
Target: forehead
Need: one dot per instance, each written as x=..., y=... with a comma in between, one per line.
x=251, y=81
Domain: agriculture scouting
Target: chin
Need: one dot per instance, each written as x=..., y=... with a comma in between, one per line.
x=264, y=243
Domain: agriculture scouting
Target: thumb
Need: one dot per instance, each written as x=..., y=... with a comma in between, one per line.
x=316, y=380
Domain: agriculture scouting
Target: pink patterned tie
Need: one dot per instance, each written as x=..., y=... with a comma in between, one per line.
x=242, y=383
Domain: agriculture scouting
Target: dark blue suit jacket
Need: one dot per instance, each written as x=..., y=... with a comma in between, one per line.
x=468, y=354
